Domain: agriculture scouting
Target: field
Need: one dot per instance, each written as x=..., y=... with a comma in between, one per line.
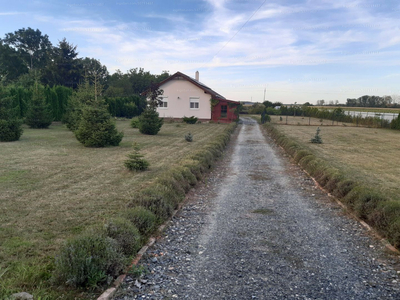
x=52, y=188
x=363, y=109
x=368, y=155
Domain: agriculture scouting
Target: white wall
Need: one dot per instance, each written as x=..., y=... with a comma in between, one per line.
x=178, y=108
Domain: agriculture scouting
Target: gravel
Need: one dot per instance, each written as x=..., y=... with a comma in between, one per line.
x=258, y=228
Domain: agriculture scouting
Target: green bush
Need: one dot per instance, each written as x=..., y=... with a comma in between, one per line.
x=88, y=260
x=96, y=129
x=10, y=125
x=135, y=123
x=189, y=137
x=144, y=220
x=149, y=122
x=10, y=130
x=190, y=120
x=125, y=233
x=135, y=161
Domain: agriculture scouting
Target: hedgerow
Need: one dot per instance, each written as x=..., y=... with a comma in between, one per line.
x=367, y=203
x=98, y=256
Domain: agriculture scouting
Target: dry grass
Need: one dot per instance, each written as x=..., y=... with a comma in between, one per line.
x=368, y=155
x=51, y=187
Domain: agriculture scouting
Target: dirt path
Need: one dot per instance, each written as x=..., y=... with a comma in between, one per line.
x=260, y=229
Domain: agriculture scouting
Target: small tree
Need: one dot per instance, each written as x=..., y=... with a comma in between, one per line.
x=149, y=122
x=317, y=139
x=96, y=129
x=85, y=94
x=189, y=137
x=135, y=161
x=10, y=125
x=39, y=114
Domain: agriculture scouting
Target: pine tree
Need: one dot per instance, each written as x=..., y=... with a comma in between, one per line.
x=10, y=125
x=149, y=122
x=96, y=128
x=317, y=139
x=39, y=114
x=135, y=161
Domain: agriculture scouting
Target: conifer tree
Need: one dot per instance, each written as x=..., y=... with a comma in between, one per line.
x=39, y=114
x=149, y=121
x=10, y=125
x=95, y=127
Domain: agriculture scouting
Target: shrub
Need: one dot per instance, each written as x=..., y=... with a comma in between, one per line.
x=89, y=259
x=144, y=220
x=135, y=161
x=39, y=114
x=10, y=130
x=10, y=125
x=189, y=137
x=317, y=139
x=125, y=233
x=96, y=129
x=190, y=120
x=149, y=122
x=135, y=123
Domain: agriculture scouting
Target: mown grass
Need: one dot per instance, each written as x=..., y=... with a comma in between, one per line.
x=358, y=165
x=52, y=188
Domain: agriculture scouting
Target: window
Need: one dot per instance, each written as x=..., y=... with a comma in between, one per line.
x=164, y=103
x=194, y=103
x=224, y=111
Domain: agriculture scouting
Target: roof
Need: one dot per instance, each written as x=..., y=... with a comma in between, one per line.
x=205, y=88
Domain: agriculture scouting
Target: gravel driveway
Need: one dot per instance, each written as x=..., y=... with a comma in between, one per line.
x=260, y=229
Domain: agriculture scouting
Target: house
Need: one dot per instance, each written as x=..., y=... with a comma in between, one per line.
x=185, y=96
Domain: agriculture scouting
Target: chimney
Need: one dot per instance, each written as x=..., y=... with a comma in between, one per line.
x=197, y=76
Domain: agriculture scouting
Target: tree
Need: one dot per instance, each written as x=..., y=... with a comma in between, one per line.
x=149, y=122
x=65, y=68
x=10, y=125
x=268, y=103
x=153, y=96
x=84, y=94
x=33, y=47
x=39, y=114
x=95, y=127
x=11, y=64
x=92, y=67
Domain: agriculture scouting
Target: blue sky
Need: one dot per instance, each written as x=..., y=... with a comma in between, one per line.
x=298, y=50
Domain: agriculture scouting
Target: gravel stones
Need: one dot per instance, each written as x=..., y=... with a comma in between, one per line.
x=260, y=229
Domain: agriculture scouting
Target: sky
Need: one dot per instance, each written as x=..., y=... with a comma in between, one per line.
x=290, y=51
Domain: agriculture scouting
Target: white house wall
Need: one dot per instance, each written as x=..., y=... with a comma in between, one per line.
x=179, y=93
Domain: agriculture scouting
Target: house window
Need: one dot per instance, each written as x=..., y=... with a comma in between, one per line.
x=164, y=103
x=194, y=103
x=224, y=111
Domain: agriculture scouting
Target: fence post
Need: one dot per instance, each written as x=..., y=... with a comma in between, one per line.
x=286, y=119
x=309, y=121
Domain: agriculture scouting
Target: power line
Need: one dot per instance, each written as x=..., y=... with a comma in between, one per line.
x=248, y=20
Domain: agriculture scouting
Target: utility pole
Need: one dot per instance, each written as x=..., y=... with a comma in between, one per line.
x=264, y=93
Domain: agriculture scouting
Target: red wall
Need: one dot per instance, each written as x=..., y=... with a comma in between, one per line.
x=216, y=113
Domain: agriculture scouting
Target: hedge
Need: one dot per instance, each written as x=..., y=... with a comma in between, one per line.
x=96, y=256
x=366, y=202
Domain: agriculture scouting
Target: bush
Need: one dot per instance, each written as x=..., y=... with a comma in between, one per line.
x=189, y=137
x=96, y=129
x=135, y=123
x=144, y=220
x=125, y=233
x=149, y=122
x=135, y=161
x=89, y=259
x=10, y=130
x=190, y=120
x=10, y=125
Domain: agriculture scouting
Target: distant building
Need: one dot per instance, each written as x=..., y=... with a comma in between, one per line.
x=185, y=96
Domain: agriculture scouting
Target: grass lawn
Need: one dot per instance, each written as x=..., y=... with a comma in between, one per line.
x=51, y=188
x=368, y=155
